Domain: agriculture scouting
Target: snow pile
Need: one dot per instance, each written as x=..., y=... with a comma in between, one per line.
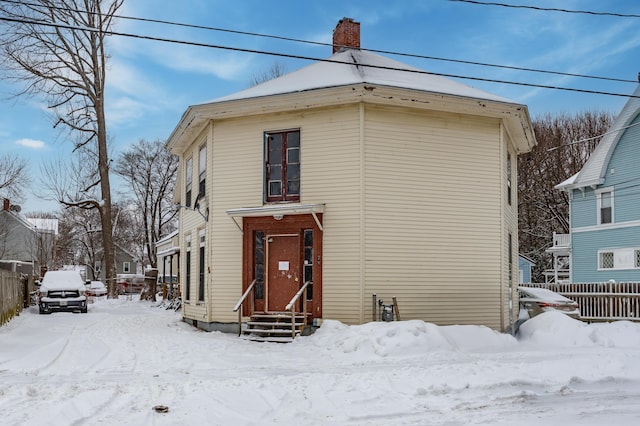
x=405, y=338
x=555, y=329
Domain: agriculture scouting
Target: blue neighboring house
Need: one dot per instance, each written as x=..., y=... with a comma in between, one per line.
x=524, y=269
x=605, y=204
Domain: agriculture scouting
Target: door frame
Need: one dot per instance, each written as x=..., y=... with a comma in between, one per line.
x=289, y=224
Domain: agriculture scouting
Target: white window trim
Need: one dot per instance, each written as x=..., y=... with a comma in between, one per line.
x=126, y=267
x=599, y=193
x=617, y=253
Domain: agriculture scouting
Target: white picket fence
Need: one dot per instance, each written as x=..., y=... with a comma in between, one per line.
x=608, y=301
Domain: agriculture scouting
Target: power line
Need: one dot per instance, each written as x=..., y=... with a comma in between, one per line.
x=592, y=138
x=548, y=9
x=311, y=58
x=317, y=43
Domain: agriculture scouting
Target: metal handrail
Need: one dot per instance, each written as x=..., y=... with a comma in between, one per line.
x=238, y=306
x=289, y=307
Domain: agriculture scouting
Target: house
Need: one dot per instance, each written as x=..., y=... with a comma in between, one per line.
x=168, y=258
x=524, y=269
x=126, y=263
x=604, y=239
x=355, y=176
x=23, y=247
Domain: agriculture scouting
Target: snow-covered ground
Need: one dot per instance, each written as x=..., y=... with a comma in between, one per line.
x=114, y=364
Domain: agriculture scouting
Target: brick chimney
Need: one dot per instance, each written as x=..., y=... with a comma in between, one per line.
x=6, y=204
x=346, y=35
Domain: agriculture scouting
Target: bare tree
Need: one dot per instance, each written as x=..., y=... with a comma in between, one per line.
x=276, y=70
x=13, y=176
x=150, y=171
x=57, y=50
x=542, y=209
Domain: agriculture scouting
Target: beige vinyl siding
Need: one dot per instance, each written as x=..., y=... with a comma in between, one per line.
x=331, y=175
x=510, y=226
x=433, y=215
x=328, y=142
x=190, y=223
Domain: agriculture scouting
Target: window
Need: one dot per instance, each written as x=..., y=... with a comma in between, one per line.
x=509, y=178
x=606, y=260
x=187, y=179
x=201, y=268
x=98, y=267
x=187, y=290
x=308, y=261
x=605, y=206
x=203, y=171
x=637, y=258
x=282, y=164
x=259, y=265
x=126, y=267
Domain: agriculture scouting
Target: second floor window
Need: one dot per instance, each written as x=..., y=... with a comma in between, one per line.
x=188, y=177
x=282, y=166
x=605, y=207
x=509, y=178
x=203, y=170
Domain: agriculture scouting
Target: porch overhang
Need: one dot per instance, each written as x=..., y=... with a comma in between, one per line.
x=278, y=211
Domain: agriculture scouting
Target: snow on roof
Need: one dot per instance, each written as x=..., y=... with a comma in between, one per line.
x=543, y=293
x=43, y=224
x=353, y=66
x=594, y=170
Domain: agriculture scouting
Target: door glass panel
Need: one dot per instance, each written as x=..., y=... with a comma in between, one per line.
x=308, y=261
x=259, y=265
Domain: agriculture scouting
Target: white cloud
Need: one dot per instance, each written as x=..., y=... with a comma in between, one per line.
x=31, y=143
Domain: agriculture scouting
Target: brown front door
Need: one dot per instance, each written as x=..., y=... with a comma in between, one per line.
x=283, y=277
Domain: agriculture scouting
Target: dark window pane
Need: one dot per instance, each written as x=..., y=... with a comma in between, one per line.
x=293, y=187
x=293, y=172
x=293, y=156
x=187, y=198
x=275, y=142
x=259, y=265
x=275, y=188
x=201, y=287
x=308, y=237
x=275, y=172
x=187, y=290
x=308, y=255
x=293, y=139
x=605, y=215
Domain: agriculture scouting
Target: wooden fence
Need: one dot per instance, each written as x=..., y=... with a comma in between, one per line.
x=11, y=295
x=608, y=301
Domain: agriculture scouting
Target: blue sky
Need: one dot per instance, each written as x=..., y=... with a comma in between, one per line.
x=150, y=83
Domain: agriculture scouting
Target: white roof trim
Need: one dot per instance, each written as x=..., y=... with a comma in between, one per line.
x=276, y=209
x=168, y=252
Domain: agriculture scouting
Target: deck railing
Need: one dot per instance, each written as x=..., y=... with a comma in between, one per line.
x=605, y=301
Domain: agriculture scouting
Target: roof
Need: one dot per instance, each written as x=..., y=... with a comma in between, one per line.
x=594, y=170
x=350, y=76
x=44, y=224
x=354, y=66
